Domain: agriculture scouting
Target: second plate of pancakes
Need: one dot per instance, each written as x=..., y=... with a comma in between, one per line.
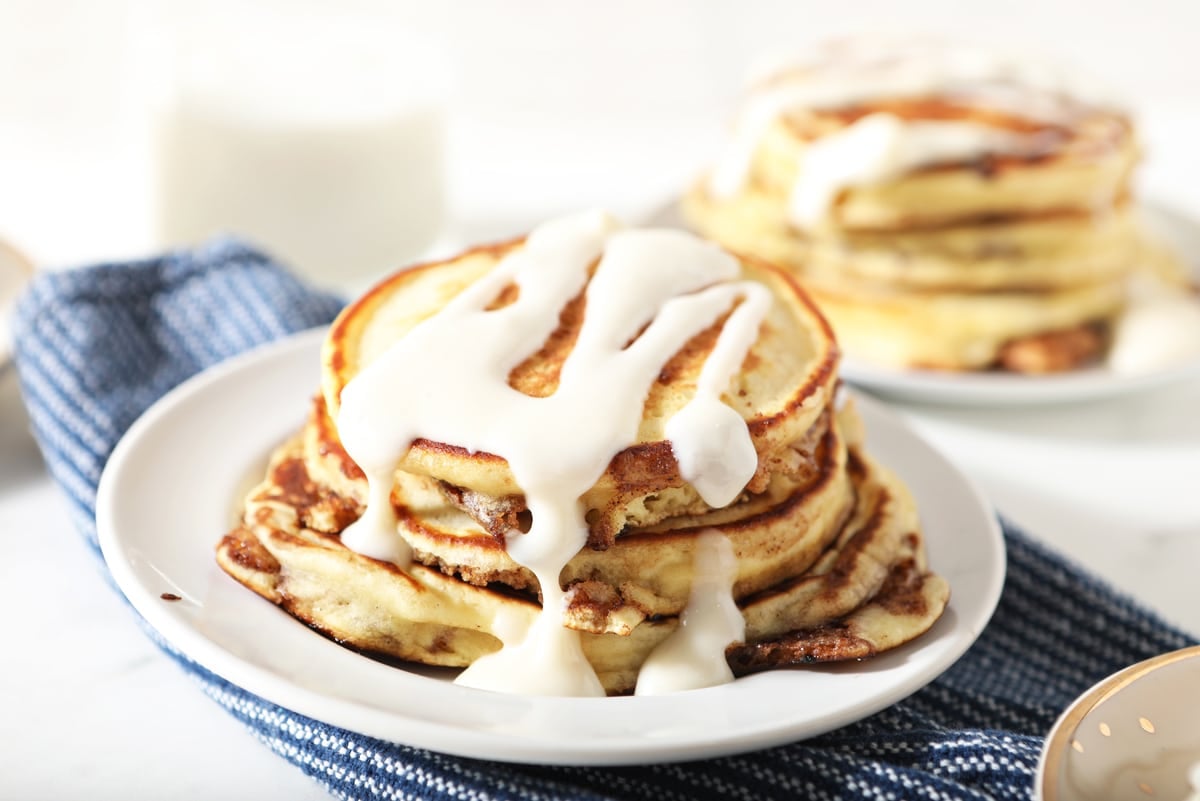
x=1179, y=232
x=965, y=217
x=1175, y=230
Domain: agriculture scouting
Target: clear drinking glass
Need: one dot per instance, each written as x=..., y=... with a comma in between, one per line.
x=314, y=132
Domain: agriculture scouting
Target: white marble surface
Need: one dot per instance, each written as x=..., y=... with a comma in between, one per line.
x=92, y=709
x=1112, y=484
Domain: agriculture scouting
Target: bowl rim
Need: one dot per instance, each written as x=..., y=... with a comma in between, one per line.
x=1059, y=740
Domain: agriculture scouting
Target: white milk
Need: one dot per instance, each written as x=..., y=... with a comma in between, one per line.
x=317, y=138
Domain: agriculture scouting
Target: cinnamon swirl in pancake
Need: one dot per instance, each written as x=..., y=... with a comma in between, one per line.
x=945, y=206
x=536, y=459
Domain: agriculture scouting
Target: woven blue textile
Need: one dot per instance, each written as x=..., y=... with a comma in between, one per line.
x=97, y=346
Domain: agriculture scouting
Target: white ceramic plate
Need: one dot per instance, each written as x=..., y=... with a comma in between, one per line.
x=1180, y=233
x=171, y=490
x=1007, y=389
x=15, y=270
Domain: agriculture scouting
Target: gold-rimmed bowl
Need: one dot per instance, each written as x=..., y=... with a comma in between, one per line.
x=1133, y=736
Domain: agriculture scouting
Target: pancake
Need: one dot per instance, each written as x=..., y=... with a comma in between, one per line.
x=1051, y=251
x=956, y=331
x=1081, y=159
x=800, y=550
x=948, y=208
x=775, y=534
x=785, y=383
x=843, y=599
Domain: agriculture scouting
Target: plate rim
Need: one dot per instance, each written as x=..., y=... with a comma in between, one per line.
x=1166, y=224
x=438, y=736
x=991, y=390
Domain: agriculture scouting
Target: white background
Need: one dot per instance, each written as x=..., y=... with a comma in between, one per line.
x=613, y=103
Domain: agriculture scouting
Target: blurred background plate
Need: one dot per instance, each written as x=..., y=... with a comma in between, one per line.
x=1172, y=228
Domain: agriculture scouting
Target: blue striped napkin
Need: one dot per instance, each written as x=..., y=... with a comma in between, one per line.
x=95, y=347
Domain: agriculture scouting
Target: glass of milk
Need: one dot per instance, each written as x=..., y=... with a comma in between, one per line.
x=313, y=132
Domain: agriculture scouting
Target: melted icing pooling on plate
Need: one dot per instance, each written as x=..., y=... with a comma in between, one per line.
x=693, y=656
x=667, y=285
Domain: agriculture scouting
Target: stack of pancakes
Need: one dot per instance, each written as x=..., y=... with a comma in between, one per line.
x=979, y=216
x=830, y=562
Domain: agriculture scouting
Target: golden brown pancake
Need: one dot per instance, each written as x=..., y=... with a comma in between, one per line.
x=1008, y=251
x=828, y=556
x=857, y=584
x=785, y=384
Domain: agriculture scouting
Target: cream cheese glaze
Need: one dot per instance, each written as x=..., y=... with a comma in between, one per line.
x=693, y=656
x=882, y=146
x=651, y=292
